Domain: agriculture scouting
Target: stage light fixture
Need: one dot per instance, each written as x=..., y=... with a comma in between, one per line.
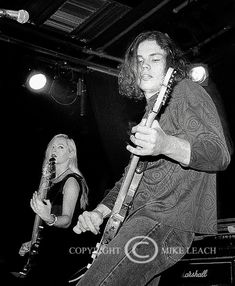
x=199, y=73
x=37, y=81
x=60, y=83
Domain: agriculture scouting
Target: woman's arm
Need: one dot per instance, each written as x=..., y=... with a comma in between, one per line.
x=43, y=208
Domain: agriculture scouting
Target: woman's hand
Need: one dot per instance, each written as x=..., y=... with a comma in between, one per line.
x=25, y=247
x=41, y=207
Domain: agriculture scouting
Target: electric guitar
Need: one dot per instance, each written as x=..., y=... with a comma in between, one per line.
x=131, y=180
x=48, y=175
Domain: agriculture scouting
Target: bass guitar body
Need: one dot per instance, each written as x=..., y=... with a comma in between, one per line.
x=34, y=250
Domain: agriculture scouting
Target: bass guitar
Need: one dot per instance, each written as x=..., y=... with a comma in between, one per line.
x=48, y=175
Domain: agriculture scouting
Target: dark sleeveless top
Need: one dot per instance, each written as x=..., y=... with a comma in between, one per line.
x=55, y=195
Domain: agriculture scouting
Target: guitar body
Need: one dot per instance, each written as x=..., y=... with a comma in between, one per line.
x=111, y=229
x=34, y=250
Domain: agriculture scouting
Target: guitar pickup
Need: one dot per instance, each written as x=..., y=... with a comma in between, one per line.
x=141, y=167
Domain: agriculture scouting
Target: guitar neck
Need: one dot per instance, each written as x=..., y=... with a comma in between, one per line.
x=130, y=173
x=37, y=219
x=125, y=184
x=36, y=226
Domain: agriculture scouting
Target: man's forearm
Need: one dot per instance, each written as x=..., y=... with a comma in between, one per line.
x=178, y=149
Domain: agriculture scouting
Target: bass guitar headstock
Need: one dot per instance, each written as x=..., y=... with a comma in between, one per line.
x=49, y=170
x=52, y=169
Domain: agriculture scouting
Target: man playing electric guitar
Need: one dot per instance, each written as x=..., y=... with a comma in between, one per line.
x=176, y=195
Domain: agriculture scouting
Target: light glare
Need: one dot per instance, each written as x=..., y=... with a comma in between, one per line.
x=37, y=81
x=198, y=74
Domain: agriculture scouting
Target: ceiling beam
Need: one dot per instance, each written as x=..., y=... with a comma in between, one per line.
x=62, y=56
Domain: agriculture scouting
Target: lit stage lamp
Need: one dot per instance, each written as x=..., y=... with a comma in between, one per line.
x=199, y=73
x=61, y=86
x=37, y=81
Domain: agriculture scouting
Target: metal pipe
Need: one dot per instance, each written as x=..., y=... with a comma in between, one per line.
x=107, y=71
x=61, y=56
x=102, y=55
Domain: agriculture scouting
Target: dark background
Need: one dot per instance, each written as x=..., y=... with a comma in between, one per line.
x=99, y=127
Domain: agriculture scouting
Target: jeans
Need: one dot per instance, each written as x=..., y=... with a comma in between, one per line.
x=141, y=250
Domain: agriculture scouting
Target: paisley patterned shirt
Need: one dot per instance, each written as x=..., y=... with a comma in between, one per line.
x=183, y=196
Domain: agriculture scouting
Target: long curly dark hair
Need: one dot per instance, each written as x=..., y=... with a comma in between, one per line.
x=174, y=58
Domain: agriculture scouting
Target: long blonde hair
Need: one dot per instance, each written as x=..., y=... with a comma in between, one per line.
x=73, y=165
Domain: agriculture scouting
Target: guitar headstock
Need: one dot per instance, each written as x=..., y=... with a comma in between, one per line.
x=169, y=87
x=52, y=169
x=49, y=169
x=165, y=90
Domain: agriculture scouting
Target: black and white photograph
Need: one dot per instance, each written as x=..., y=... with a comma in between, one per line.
x=118, y=142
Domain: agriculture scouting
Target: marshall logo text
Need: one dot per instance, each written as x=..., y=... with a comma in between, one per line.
x=197, y=274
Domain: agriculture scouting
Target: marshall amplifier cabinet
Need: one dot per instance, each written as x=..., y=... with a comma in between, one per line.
x=201, y=272
x=209, y=261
